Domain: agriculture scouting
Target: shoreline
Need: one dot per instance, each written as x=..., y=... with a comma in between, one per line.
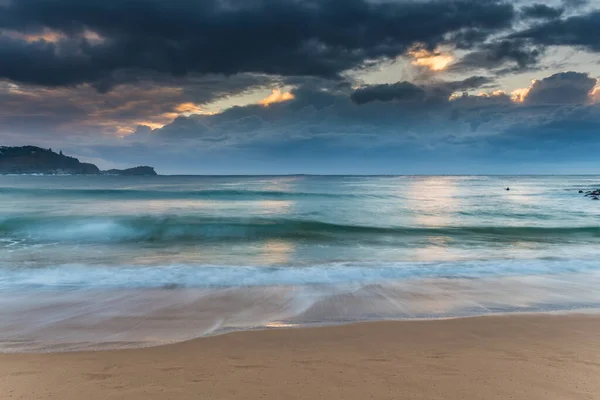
x=547, y=355
x=584, y=312
x=67, y=321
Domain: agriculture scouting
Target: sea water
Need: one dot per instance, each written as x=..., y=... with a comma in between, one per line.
x=93, y=262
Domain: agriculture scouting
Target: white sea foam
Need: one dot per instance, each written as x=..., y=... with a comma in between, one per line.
x=74, y=276
x=66, y=320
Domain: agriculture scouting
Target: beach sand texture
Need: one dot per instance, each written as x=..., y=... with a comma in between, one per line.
x=493, y=357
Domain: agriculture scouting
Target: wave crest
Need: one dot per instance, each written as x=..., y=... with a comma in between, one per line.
x=201, y=229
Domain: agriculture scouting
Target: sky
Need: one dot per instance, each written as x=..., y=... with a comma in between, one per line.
x=306, y=86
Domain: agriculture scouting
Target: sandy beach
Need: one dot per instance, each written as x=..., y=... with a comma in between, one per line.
x=504, y=357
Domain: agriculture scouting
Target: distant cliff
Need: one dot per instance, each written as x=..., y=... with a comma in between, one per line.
x=35, y=160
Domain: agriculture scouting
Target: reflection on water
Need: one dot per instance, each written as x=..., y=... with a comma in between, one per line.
x=278, y=183
x=276, y=252
x=433, y=201
x=276, y=207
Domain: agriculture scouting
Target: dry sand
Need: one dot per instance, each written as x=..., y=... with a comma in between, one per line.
x=497, y=357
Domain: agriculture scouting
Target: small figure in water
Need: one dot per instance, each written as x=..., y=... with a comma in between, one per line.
x=507, y=188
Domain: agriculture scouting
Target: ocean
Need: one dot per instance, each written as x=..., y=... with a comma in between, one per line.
x=99, y=262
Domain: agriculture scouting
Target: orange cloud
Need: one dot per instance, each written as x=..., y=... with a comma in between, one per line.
x=519, y=95
x=189, y=108
x=92, y=36
x=494, y=93
x=434, y=61
x=595, y=93
x=47, y=36
x=276, y=96
x=50, y=36
x=160, y=120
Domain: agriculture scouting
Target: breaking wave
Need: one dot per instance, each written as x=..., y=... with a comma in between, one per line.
x=197, y=228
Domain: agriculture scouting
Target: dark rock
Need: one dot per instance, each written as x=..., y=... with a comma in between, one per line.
x=135, y=171
x=595, y=198
x=591, y=193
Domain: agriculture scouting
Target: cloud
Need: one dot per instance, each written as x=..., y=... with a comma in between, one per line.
x=63, y=111
x=570, y=134
x=322, y=125
x=277, y=37
x=495, y=55
x=276, y=96
x=400, y=91
x=541, y=11
x=432, y=60
x=562, y=88
x=595, y=93
x=578, y=30
x=409, y=92
x=270, y=82
x=574, y=4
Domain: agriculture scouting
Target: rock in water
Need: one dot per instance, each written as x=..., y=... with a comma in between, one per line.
x=135, y=171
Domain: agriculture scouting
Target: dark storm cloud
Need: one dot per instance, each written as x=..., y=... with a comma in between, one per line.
x=570, y=133
x=409, y=92
x=541, y=11
x=153, y=100
x=322, y=126
x=578, y=30
x=400, y=91
x=202, y=88
x=351, y=119
x=516, y=53
x=562, y=88
x=394, y=112
x=179, y=37
x=467, y=39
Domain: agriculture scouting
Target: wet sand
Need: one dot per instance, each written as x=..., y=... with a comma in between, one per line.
x=492, y=357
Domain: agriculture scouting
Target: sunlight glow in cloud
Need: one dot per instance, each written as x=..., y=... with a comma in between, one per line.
x=595, y=93
x=487, y=95
x=47, y=36
x=10, y=87
x=494, y=93
x=189, y=108
x=519, y=95
x=434, y=61
x=50, y=36
x=276, y=96
x=181, y=110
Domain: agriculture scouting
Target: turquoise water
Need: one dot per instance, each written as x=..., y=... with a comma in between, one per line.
x=105, y=262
